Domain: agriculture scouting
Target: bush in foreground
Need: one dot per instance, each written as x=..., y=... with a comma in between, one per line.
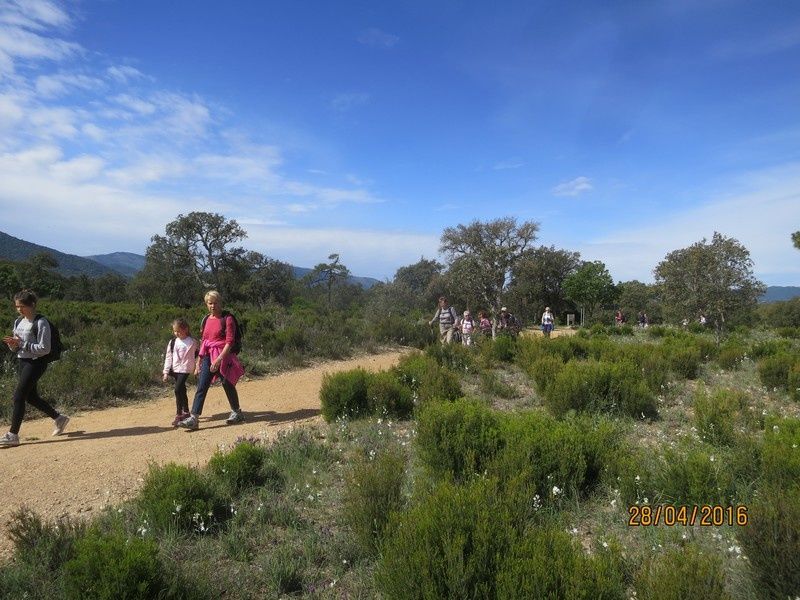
x=345, y=394
x=682, y=573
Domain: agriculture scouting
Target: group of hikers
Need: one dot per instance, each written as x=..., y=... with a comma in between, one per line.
x=36, y=343
x=462, y=328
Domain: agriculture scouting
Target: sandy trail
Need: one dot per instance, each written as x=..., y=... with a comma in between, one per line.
x=103, y=455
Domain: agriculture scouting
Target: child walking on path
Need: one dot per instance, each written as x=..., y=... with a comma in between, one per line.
x=217, y=360
x=32, y=343
x=467, y=327
x=179, y=361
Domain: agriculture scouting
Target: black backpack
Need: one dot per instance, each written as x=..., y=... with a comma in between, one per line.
x=56, y=347
x=237, y=336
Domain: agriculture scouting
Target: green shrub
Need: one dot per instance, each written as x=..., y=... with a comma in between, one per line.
x=344, y=394
x=771, y=541
x=503, y=348
x=788, y=332
x=684, y=361
x=178, y=498
x=681, y=573
x=715, y=414
x=771, y=347
x=774, y=370
x=42, y=544
x=600, y=387
x=548, y=563
x=730, y=355
x=781, y=452
x=389, y=396
x=458, y=439
x=598, y=329
x=657, y=331
x=448, y=545
x=794, y=382
x=427, y=379
x=692, y=475
x=622, y=330
x=544, y=371
x=552, y=459
x=113, y=567
x=456, y=357
x=650, y=361
x=240, y=468
x=297, y=451
x=373, y=493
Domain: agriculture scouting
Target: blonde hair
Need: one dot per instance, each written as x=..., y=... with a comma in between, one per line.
x=213, y=295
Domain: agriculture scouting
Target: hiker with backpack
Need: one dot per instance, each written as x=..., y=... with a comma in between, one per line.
x=447, y=317
x=37, y=344
x=179, y=361
x=220, y=342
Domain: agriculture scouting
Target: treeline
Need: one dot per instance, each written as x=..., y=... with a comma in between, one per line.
x=485, y=265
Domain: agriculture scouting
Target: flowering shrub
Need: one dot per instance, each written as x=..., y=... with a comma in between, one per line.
x=715, y=414
x=427, y=379
x=685, y=572
x=241, y=468
x=774, y=370
x=731, y=354
x=388, y=396
x=345, y=394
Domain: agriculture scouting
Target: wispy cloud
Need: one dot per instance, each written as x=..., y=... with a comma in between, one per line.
x=378, y=38
x=348, y=101
x=575, y=187
x=771, y=197
x=109, y=154
x=508, y=164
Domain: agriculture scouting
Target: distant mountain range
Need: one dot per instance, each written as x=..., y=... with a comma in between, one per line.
x=777, y=293
x=121, y=263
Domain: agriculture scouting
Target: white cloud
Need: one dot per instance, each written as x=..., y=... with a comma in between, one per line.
x=345, y=102
x=577, y=186
x=761, y=212
x=124, y=73
x=33, y=14
x=82, y=168
x=508, y=164
x=377, y=38
x=137, y=105
x=59, y=83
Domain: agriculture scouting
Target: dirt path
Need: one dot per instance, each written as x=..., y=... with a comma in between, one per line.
x=103, y=455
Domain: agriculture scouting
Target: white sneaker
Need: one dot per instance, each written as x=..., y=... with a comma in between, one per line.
x=190, y=423
x=236, y=416
x=9, y=440
x=61, y=423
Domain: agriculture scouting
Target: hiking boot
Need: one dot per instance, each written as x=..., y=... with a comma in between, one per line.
x=236, y=416
x=9, y=440
x=61, y=423
x=190, y=423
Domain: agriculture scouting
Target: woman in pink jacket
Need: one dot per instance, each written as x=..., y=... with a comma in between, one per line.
x=216, y=361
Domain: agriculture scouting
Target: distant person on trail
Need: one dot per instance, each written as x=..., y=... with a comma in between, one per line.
x=219, y=337
x=179, y=361
x=641, y=319
x=32, y=341
x=507, y=323
x=619, y=318
x=447, y=317
x=547, y=322
x=702, y=320
x=484, y=323
x=467, y=327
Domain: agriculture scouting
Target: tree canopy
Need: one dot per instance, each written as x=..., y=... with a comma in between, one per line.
x=714, y=278
x=482, y=256
x=590, y=286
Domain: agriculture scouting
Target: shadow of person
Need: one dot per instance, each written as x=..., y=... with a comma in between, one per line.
x=270, y=416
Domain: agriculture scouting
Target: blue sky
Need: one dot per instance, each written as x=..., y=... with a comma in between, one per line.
x=626, y=129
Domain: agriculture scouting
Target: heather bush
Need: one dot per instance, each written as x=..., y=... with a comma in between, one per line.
x=388, y=396
x=788, y=332
x=781, y=452
x=494, y=386
x=456, y=357
x=773, y=370
x=110, y=566
x=449, y=544
x=345, y=394
x=715, y=414
x=696, y=474
x=372, y=494
x=681, y=573
x=548, y=563
x=793, y=382
x=684, y=361
x=770, y=347
x=427, y=379
x=41, y=544
x=771, y=540
x=179, y=498
x=600, y=387
x=458, y=439
x=731, y=354
x=544, y=371
x=503, y=348
x=241, y=468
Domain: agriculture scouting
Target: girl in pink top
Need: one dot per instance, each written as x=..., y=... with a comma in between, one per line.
x=179, y=361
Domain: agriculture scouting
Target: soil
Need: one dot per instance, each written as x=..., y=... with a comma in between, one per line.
x=102, y=456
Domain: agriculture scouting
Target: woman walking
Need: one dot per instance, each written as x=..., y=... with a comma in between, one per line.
x=217, y=360
x=31, y=341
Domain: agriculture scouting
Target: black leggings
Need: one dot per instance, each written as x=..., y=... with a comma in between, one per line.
x=181, y=398
x=29, y=372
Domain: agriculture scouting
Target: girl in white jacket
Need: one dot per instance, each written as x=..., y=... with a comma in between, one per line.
x=179, y=363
